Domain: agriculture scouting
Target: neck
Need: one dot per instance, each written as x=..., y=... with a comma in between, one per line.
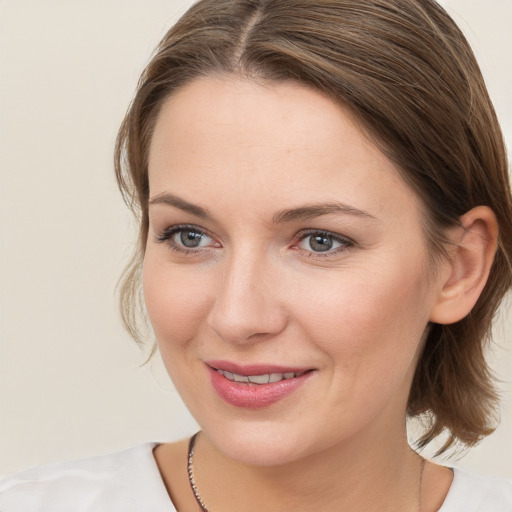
x=361, y=475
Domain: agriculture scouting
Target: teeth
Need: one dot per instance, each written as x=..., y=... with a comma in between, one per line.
x=259, y=379
x=240, y=378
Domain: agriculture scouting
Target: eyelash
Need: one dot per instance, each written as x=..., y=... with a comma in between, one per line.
x=345, y=243
x=166, y=237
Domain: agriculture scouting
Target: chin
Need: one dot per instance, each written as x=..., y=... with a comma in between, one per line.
x=254, y=453
x=259, y=444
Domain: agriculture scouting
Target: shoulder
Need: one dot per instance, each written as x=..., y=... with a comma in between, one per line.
x=477, y=493
x=124, y=481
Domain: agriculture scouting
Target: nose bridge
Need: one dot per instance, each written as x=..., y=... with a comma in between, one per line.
x=247, y=301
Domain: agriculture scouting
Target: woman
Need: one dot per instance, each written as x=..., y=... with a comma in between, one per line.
x=326, y=233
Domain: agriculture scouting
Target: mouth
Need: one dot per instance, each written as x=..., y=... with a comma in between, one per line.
x=264, y=378
x=255, y=386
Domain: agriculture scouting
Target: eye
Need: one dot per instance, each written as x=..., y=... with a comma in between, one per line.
x=186, y=239
x=319, y=242
x=190, y=238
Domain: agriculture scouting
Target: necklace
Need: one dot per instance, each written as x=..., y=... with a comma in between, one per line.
x=422, y=470
x=190, y=470
x=204, y=508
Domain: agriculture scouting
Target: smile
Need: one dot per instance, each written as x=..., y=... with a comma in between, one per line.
x=255, y=386
x=266, y=378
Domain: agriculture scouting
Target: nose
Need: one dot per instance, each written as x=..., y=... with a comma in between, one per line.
x=247, y=305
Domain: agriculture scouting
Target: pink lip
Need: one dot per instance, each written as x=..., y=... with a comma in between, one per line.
x=254, y=396
x=254, y=369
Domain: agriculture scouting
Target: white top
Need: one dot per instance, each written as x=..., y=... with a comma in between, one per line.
x=129, y=481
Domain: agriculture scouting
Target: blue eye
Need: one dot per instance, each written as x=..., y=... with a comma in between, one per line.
x=190, y=238
x=323, y=242
x=185, y=238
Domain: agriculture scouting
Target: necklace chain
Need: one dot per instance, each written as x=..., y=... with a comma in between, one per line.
x=190, y=470
x=204, y=508
x=422, y=470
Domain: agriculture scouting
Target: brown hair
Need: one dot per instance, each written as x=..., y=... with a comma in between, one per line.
x=408, y=74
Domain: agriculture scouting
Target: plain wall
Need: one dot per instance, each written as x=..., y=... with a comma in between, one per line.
x=70, y=385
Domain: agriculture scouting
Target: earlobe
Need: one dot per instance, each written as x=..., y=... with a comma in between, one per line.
x=474, y=247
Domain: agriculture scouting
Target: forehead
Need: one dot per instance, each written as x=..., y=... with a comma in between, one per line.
x=253, y=114
x=269, y=144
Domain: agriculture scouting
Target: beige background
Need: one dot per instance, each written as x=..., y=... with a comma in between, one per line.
x=70, y=385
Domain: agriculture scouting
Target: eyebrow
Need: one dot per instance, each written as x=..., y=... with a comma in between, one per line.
x=178, y=202
x=316, y=210
x=281, y=217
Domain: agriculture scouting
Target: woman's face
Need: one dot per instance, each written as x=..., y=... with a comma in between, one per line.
x=285, y=250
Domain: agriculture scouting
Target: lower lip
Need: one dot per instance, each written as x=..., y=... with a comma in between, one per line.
x=254, y=396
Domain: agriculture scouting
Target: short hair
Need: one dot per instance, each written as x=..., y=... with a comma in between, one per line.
x=407, y=73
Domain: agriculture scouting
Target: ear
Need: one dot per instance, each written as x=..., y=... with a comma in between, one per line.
x=475, y=243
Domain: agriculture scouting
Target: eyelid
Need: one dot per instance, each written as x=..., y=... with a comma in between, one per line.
x=172, y=230
x=165, y=237
x=346, y=243
x=315, y=231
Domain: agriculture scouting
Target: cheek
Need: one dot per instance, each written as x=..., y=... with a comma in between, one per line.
x=370, y=332
x=176, y=300
x=370, y=327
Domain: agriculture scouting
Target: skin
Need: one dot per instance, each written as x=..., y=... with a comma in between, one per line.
x=256, y=291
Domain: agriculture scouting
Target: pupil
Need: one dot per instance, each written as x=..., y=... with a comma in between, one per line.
x=320, y=243
x=190, y=238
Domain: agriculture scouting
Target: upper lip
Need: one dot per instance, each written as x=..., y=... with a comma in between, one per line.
x=255, y=369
